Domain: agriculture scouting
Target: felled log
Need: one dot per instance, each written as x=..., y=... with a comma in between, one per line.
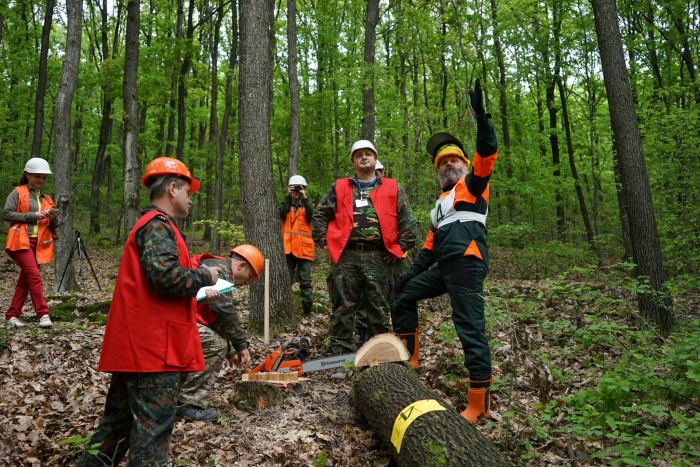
x=418, y=427
x=382, y=348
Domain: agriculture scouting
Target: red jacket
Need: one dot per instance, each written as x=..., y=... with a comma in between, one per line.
x=148, y=332
x=384, y=199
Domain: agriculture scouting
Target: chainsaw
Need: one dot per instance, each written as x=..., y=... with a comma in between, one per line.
x=291, y=358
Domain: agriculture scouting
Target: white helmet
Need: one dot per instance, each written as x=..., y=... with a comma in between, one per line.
x=297, y=180
x=362, y=144
x=37, y=165
x=378, y=166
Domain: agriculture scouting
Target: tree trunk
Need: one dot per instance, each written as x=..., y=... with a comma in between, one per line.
x=384, y=395
x=574, y=173
x=293, y=88
x=132, y=166
x=258, y=197
x=181, y=87
x=214, y=141
x=368, y=111
x=41, y=85
x=627, y=143
x=62, y=156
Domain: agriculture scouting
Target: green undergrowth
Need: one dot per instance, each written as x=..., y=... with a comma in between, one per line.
x=617, y=392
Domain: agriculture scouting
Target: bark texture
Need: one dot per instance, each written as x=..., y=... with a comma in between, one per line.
x=627, y=143
x=132, y=166
x=41, y=84
x=368, y=117
x=293, y=87
x=62, y=155
x=259, y=199
x=443, y=437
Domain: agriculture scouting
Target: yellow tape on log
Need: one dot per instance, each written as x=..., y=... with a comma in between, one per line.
x=406, y=417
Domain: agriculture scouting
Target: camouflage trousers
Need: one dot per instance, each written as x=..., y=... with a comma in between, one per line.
x=360, y=285
x=303, y=266
x=397, y=268
x=139, y=417
x=196, y=388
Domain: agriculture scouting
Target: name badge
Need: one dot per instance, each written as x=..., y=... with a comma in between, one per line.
x=361, y=203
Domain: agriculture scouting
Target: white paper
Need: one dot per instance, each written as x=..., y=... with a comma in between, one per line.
x=221, y=285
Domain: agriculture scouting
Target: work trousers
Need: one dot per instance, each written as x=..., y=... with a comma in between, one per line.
x=139, y=417
x=303, y=268
x=196, y=388
x=397, y=268
x=463, y=279
x=28, y=283
x=360, y=280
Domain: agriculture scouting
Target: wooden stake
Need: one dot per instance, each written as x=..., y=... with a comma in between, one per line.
x=267, y=302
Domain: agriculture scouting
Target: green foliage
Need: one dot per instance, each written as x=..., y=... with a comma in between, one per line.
x=437, y=454
x=321, y=459
x=230, y=233
x=3, y=339
x=80, y=444
x=446, y=333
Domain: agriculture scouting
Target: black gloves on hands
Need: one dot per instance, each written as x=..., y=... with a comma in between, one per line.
x=401, y=282
x=477, y=99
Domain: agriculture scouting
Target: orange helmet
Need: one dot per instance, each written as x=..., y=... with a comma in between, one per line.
x=169, y=166
x=253, y=256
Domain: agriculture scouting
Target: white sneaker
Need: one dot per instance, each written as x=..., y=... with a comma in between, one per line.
x=45, y=322
x=16, y=323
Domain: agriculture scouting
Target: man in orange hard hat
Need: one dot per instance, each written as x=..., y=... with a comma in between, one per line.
x=220, y=331
x=151, y=336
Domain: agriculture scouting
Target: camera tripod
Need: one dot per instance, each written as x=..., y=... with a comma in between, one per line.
x=78, y=246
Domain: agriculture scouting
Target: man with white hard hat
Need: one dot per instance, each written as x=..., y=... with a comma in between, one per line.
x=379, y=169
x=296, y=212
x=366, y=224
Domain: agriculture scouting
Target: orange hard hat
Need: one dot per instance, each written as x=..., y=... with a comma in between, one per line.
x=169, y=166
x=253, y=256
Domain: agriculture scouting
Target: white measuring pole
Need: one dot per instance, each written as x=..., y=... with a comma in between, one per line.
x=267, y=302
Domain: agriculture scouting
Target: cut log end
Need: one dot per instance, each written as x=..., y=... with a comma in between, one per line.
x=384, y=348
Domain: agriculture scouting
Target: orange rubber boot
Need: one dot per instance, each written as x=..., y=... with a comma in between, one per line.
x=479, y=400
x=410, y=340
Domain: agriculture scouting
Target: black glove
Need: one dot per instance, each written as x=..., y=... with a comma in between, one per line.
x=402, y=281
x=477, y=99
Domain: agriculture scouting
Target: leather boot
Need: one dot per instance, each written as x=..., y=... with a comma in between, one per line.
x=410, y=340
x=479, y=400
x=307, y=309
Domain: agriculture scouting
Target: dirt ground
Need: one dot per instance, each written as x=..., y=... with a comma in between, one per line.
x=50, y=391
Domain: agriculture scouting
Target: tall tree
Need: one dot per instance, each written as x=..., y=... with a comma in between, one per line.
x=627, y=143
x=62, y=153
x=258, y=197
x=132, y=166
x=41, y=85
x=214, y=37
x=368, y=110
x=293, y=88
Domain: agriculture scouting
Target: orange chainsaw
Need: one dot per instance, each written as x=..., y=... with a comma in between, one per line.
x=291, y=358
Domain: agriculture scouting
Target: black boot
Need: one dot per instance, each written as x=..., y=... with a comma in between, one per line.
x=307, y=309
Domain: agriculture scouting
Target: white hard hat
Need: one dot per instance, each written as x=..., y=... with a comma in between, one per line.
x=296, y=180
x=378, y=166
x=362, y=144
x=37, y=165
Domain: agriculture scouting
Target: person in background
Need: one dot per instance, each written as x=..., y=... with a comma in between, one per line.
x=220, y=331
x=151, y=336
x=379, y=169
x=32, y=217
x=296, y=212
x=366, y=224
x=457, y=242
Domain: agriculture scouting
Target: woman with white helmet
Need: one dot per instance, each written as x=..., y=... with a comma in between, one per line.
x=32, y=217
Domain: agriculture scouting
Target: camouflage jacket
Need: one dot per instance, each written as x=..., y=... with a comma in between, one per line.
x=159, y=257
x=227, y=324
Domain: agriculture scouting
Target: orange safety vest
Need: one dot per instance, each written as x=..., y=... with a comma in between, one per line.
x=296, y=232
x=147, y=332
x=18, y=235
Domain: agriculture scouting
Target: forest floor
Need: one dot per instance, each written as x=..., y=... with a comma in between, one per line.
x=50, y=390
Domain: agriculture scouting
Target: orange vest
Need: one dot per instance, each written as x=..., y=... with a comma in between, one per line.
x=296, y=232
x=18, y=235
x=384, y=199
x=147, y=332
